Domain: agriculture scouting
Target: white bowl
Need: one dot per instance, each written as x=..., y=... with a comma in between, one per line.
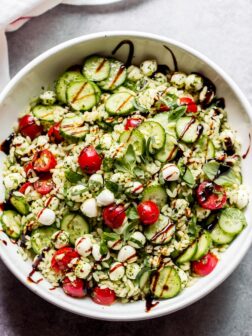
x=42, y=71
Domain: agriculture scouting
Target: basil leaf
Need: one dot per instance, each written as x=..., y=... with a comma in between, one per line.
x=177, y=113
x=110, y=236
x=112, y=186
x=211, y=169
x=107, y=164
x=193, y=228
x=103, y=247
x=130, y=156
x=127, y=163
x=228, y=178
x=132, y=213
x=72, y=176
x=189, y=178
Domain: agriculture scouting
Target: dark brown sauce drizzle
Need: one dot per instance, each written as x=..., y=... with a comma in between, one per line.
x=192, y=121
x=248, y=150
x=4, y=242
x=149, y=303
x=200, y=130
x=35, y=267
x=5, y=146
x=174, y=59
x=131, y=51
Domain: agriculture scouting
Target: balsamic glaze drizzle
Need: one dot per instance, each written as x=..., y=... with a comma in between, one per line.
x=174, y=59
x=131, y=51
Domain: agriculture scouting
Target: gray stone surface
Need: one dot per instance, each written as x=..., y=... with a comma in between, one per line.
x=221, y=29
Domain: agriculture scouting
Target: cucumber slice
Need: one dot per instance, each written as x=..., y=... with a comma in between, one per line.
x=169, y=151
x=157, y=194
x=11, y=223
x=63, y=81
x=72, y=127
x=187, y=129
x=20, y=203
x=163, y=120
x=117, y=76
x=160, y=232
x=232, y=221
x=41, y=238
x=96, y=68
x=75, y=225
x=48, y=113
x=210, y=150
x=155, y=132
x=220, y=237
x=166, y=283
x=121, y=103
x=188, y=254
x=81, y=95
x=97, y=91
x=135, y=138
x=143, y=279
x=204, y=243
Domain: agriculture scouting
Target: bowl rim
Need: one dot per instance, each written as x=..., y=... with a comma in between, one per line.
x=104, y=315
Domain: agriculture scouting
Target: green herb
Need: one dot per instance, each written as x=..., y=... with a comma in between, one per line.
x=177, y=113
x=112, y=186
x=127, y=163
x=211, y=169
x=132, y=213
x=72, y=176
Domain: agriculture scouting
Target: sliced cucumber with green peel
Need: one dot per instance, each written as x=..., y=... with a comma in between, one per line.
x=210, y=150
x=220, y=237
x=204, y=243
x=11, y=223
x=81, y=95
x=48, y=113
x=232, y=221
x=72, y=127
x=163, y=120
x=135, y=138
x=116, y=77
x=97, y=91
x=160, y=232
x=157, y=194
x=154, y=134
x=188, y=254
x=187, y=129
x=121, y=103
x=75, y=225
x=96, y=68
x=20, y=203
x=63, y=81
x=143, y=279
x=165, y=283
x=41, y=238
x=169, y=151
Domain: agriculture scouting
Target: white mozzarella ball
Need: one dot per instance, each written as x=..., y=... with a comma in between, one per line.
x=96, y=252
x=137, y=188
x=148, y=67
x=132, y=271
x=134, y=73
x=46, y=217
x=178, y=79
x=240, y=197
x=89, y=208
x=106, y=141
x=106, y=197
x=12, y=180
x=127, y=254
x=60, y=239
x=137, y=240
x=96, y=178
x=116, y=271
x=170, y=172
x=115, y=244
x=83, y=246
x=83, y=269
x=194, y=82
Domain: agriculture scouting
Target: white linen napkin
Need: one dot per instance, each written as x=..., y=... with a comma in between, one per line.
x=14, y=13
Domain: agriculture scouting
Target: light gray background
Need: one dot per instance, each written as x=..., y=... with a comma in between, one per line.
x=222, y=30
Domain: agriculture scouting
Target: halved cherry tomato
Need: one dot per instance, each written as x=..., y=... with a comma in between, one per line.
x=132, y=123
x=103, y=296
x=211, y=196
x=191, y=106
x=74, y=288
x=62, y=258
x=89, y=160
x=114, y=215
x=28, y=168
x=27, y=127
x=148, y=212
x=44, y=161
x=205, y=265
x=54, y=133
x=24, y=186
x=44, y=185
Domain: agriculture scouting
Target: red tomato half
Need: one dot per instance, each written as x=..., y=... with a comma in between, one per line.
x=148, y=212
x=114, y=215
x=74, y=288
x=211, y=196
x=191, y=106
x=28, y=127
x=44, y=185
x=205, y=265
x=24, y=186
x=62, y=258
x=132, y=123
x=28, y=168
x=44, y=161
x=103, y=296
x=54, y=133
x=89, y=160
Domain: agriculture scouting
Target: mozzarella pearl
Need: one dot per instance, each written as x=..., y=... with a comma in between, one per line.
x=89, y=208
x=132, y=270
x=96, y=252
x=178, y=79
x=240, y=197
x=137, y=240
x=83, y=269
x=170, y=172
x=193, y=82
x=127, y=254
x=137, y=188
x=96, y=178
x=12, y=181
x=83, y=246
x=148, y=67
x=115, y=244
x=60, y=239
x=46, y=217
x=106, y=197
x=116, y=271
